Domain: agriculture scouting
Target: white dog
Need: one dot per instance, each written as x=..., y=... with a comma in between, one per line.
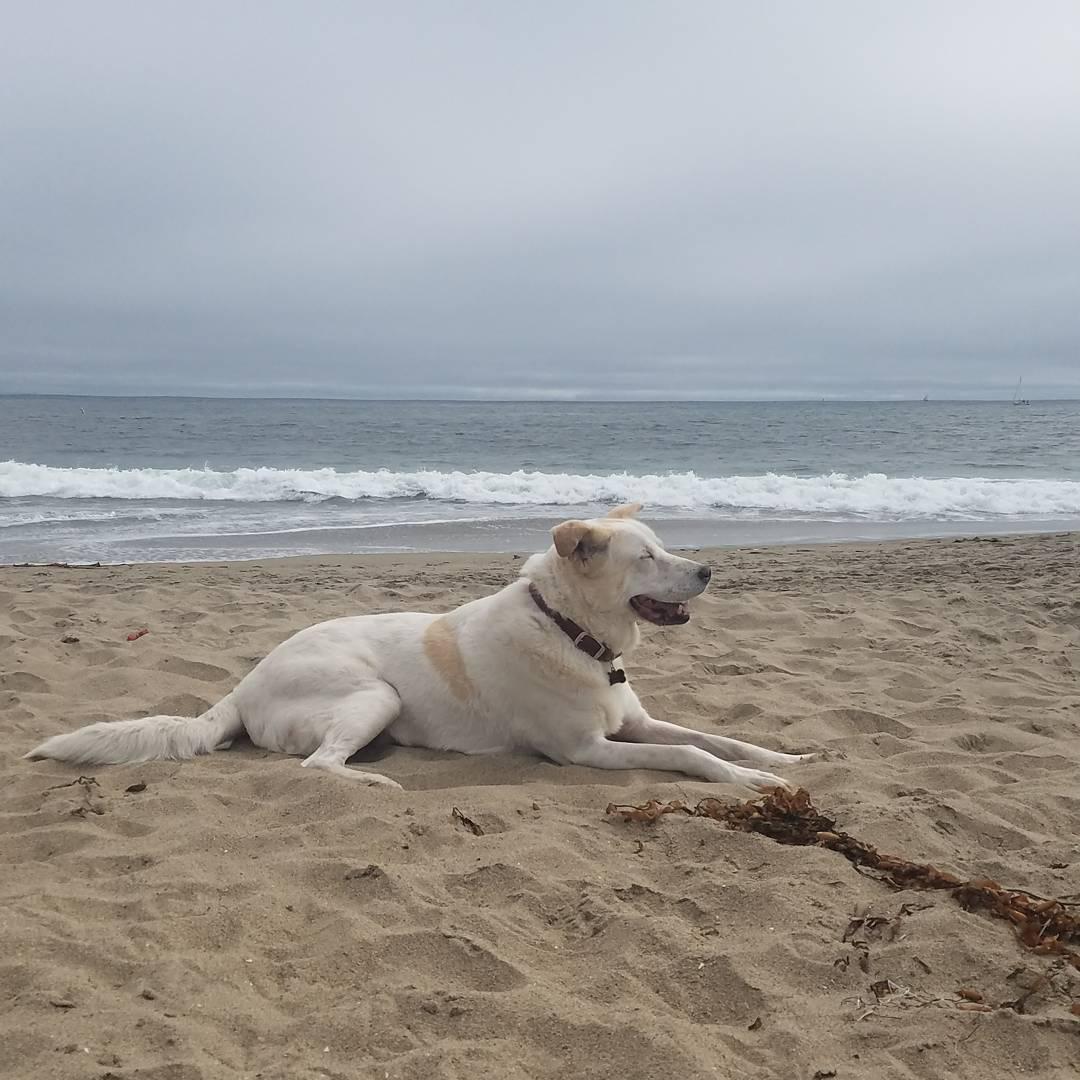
x=528, y=669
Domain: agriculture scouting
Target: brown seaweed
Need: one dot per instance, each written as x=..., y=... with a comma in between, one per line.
x=1042, y=924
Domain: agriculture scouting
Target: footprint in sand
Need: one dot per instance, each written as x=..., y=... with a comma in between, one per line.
x=492, y=882
x=584, y=917
x=744, y=711
x=25, y=681
x=981, y=742
x=177, y=665
x=712, y=992
x=845, y=722
x=181, y=705
x=652, y=903
x=457, y=961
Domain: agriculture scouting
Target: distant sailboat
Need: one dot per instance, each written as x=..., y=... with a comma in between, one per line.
x=1017, y=399
x=926, y=397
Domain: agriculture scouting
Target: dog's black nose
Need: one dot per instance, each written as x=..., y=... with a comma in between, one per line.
x=704, y=572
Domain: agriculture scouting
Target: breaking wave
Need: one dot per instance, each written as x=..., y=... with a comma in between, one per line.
x=873, y=495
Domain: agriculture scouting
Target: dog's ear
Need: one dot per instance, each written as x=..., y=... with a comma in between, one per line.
x=629, y=510
x=579, y=538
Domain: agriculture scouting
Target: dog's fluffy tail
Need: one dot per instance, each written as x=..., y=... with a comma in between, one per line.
x=120, y=742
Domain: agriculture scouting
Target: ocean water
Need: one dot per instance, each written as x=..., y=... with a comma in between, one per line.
x=84, y=479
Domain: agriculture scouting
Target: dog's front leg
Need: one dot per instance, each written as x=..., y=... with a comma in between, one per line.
x=601, y=753
x=639, y=727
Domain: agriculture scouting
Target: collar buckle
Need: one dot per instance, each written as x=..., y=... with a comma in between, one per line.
x=601, y=648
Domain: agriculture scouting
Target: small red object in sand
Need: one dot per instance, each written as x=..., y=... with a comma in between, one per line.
x=135, y=634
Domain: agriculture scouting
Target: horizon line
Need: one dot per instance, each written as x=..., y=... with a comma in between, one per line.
x=553, y=400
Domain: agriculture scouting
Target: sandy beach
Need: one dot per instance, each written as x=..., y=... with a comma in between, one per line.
x=235, y=916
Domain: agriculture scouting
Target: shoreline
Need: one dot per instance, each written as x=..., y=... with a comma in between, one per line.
x=527, y=535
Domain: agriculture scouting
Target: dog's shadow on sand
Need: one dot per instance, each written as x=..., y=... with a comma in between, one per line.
x=418, y=769
x=427, y=770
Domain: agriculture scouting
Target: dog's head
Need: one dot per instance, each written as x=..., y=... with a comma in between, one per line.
x=619, y=561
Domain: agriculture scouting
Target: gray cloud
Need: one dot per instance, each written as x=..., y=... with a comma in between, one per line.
x=702, y=199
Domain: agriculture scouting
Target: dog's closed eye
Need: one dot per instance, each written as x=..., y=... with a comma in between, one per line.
x=648, y=555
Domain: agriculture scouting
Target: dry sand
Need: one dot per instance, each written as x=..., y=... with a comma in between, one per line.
x=242, y=918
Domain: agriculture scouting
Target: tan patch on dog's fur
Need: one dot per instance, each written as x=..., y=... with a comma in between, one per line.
x=445, y=656
x=628, y=510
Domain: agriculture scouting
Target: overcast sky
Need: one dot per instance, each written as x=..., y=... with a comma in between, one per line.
x=681, y=199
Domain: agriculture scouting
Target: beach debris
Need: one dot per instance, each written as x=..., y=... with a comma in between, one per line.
x=890, y=995
x=58, y=566
x=864, y=927
x=651, y=811
x=885, y=988
x=69, y=639
x=87, y=783
x=139, y=785
x=136, y=634
x=467, y=822
x=1042, y=924
x=370, y=871
x=1055, y=981
x=83, y=781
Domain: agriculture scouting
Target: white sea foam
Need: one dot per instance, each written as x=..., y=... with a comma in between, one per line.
x=870, y=496
x=71, y=514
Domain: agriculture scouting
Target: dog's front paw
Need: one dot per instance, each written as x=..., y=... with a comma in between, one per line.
x=385, y=782
x=762, y=782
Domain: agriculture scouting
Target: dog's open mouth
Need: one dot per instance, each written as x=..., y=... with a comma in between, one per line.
x=661, y=612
